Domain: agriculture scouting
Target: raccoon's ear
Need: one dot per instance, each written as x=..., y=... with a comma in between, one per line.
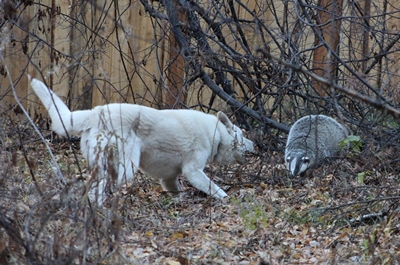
x=224, y=119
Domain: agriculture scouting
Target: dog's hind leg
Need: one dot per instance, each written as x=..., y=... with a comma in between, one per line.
x=171, y=185
x=129, y=153
x=200, y=181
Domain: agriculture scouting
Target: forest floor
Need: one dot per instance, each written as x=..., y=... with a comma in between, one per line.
x=343, y=214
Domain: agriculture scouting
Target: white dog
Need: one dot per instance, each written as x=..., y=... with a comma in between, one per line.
x=117, y=139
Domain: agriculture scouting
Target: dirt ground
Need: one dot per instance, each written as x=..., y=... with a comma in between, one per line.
x=346, y=213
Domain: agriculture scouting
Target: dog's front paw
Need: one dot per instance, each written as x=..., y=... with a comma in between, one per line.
x=226, y=199
x=220, y=195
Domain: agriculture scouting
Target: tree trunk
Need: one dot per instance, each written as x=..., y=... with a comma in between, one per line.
x=174, y=95
x=329, y=28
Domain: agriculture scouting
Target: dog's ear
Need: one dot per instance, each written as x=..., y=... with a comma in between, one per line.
x=225, y=120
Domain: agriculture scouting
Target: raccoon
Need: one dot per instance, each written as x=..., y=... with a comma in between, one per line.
x=312, y=139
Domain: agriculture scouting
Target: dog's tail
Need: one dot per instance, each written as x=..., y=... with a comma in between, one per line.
x=63, y=121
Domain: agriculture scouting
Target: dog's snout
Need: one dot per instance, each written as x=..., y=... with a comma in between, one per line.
x=249, y=145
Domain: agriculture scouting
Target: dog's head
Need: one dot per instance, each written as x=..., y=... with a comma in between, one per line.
x=233, y=149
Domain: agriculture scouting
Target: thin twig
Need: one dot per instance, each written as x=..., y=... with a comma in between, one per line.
x=56, y=168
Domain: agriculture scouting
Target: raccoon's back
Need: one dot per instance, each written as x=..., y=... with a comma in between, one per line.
x=316, y=134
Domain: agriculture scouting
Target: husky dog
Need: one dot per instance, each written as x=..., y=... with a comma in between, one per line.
x=312, y=139
x=117, y=139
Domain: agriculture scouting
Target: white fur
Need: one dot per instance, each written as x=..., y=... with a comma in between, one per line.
x=120, y=138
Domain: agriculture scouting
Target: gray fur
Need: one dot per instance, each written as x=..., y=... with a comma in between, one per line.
x=312, y=139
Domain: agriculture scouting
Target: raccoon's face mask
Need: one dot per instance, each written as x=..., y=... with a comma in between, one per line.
x=298, y=163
